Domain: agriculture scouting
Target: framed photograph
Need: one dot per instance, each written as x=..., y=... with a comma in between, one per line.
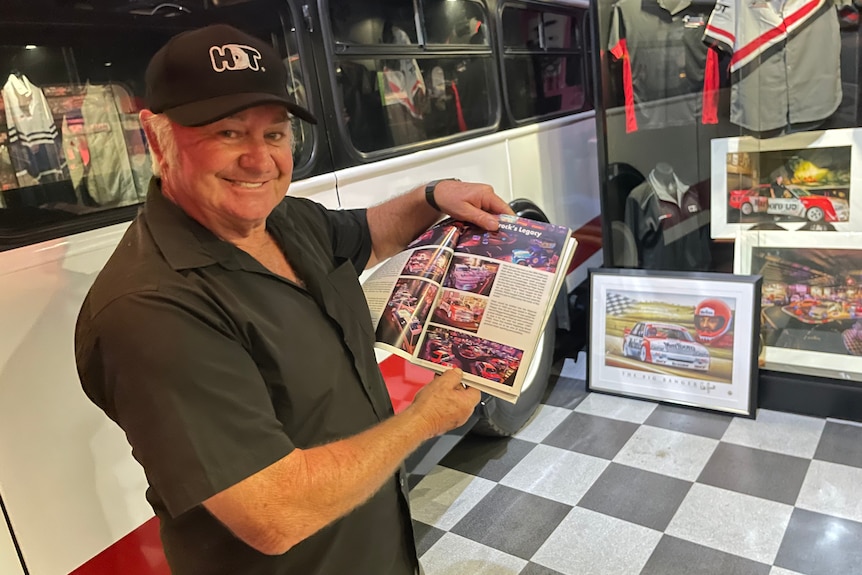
x=811, y=303
x=808, y=181
x=678, y=337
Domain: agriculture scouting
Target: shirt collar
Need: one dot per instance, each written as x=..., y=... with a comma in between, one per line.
x=184, y=242
x=674, y=6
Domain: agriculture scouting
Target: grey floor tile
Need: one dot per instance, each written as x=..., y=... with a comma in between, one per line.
x=536, y=569
x=786, y=433
x=590, y=543
x=512, y=521
x=755, y=472
x=832, y=489
x=555, y=473
x=731, y=522
x=817, y=544
x=674, y=556
x=616, y=407
x=667, y=452
x=425, y=536
x=487, y=457
x=840, y=443
x=456, y=555
x=635, y=495
x=689, y=420
x=592, y=435
x=544, y=421
x=445, y=495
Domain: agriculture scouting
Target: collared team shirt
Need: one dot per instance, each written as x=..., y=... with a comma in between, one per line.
x=785, y=67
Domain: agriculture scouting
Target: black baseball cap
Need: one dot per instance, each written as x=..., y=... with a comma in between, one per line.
x=201, y=76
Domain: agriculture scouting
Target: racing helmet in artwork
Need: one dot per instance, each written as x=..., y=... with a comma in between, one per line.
x=712, y=319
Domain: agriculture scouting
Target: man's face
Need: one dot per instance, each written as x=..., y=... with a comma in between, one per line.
x=229, y=175
x=709, y=323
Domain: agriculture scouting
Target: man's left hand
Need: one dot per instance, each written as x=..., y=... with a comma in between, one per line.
x=471, y=202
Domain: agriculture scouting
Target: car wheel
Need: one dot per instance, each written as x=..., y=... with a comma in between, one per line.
x=746, y=209
x=535, y=261
x=643, y=354
x=498, y=418
x=814, y=214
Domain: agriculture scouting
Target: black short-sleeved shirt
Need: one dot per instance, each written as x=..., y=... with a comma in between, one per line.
x=216, y=368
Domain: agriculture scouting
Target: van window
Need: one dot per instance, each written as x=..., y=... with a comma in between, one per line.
x=397, y=81
x=72, y=151
x=544, y=64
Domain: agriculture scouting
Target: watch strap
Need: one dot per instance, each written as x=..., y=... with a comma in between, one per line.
x=429, y=192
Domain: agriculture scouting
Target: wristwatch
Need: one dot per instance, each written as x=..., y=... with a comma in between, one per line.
x=429, y=192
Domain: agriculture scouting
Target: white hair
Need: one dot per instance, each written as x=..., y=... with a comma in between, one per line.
x=163, y=131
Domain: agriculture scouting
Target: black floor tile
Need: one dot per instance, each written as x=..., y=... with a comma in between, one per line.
x=840, y=443
x=764, y=474
x=426, y=536
x=487, y=457
x=817, y=544
x=565, y=392
x=635, y=495
x=536, y=569
x=591, y=435
x=512, y=521
x=674, y=556
x=689, y=420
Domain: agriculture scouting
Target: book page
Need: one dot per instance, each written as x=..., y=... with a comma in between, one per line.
x=495, y=301
x=402, y=292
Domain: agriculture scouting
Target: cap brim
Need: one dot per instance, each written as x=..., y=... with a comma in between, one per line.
x=214, y=109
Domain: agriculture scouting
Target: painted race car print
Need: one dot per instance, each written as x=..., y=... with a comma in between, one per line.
x=792, y=201
x=665, y=344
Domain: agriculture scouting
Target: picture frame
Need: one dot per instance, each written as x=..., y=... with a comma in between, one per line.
x=687, y=338
x=811, y=303
x=798, y=182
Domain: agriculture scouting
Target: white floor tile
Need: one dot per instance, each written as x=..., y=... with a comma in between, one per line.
x=445, y=496
x=732, y=522
x=573, y=369
x=786, y=433
x=614, y=407
x=556, y=474
x=546, y=419
x=455, y=555
x=832, y=489
x=668, y=452
x=780, y=571
x=591, y=543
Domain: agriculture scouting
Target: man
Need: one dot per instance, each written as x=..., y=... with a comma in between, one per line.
x=230, y=339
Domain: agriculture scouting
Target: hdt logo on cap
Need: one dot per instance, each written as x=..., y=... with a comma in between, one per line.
x=235, y=57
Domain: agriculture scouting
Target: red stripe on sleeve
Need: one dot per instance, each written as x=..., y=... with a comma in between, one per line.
x=619, y=49
x=628, y=87
x=710, y=88
x=721, y=34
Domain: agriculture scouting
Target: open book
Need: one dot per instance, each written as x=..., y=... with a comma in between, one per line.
x=459, y=296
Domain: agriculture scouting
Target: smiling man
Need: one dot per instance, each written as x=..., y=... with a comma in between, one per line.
x=229, y=338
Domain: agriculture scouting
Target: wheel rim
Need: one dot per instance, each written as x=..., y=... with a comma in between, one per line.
x=746, y=209
x=815, y=214
x=643, y=354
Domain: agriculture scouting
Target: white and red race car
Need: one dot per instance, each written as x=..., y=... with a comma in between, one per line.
x=665, y=344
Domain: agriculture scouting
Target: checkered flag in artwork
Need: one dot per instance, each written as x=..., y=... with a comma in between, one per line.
x=618, y=304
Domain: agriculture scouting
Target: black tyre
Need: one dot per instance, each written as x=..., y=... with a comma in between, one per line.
x=498, y=418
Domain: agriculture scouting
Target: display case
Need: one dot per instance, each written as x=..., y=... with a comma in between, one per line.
x=724, y=122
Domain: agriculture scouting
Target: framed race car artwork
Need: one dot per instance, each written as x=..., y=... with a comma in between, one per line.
x=808, y=181
x=677, y=337
x=811, y=304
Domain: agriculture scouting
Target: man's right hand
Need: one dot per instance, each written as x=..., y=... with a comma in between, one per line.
x=444, y=403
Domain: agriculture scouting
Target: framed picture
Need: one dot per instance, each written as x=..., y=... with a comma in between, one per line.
x=678, y=337
x=807, y=181
x=811, y=304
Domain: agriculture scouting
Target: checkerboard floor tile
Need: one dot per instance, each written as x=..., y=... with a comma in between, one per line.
x=603, y=485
